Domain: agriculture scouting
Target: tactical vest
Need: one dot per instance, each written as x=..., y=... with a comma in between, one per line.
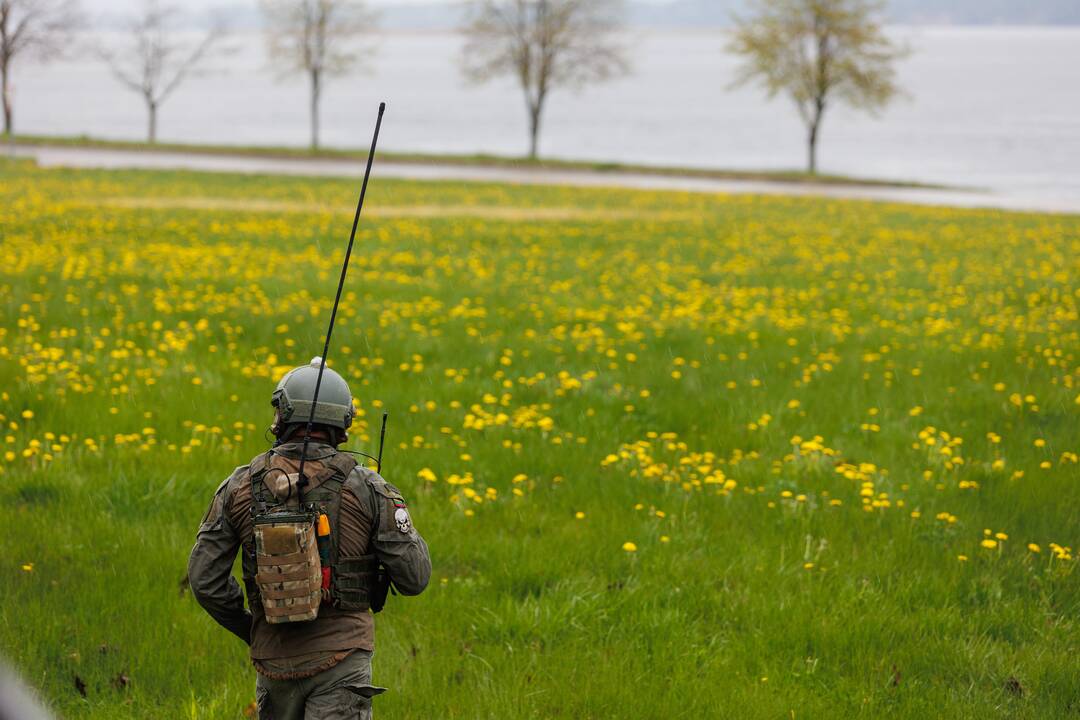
x=288, y=573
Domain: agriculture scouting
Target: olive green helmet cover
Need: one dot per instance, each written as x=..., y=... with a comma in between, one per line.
x=296, y=390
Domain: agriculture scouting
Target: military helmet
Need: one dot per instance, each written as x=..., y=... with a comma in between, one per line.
x=296, y=390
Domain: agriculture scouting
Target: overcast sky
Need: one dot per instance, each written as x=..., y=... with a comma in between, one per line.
x=127, y=5
x=124, y=5
x=680, y=13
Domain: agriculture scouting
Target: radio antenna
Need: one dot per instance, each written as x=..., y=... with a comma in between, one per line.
x=382, y=437
x=302, y=479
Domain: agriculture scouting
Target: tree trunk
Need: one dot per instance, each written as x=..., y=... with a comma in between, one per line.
x=316, y=91
x=813, y=127
x=535, y=110
x=151, y=134
x=8, y=128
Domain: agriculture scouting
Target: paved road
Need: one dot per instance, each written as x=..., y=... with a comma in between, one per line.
x=55, y=156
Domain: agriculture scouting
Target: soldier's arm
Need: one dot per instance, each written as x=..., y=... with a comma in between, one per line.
x=397, y=543
x=210, y=568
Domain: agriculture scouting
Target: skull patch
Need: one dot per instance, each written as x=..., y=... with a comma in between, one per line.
x=401, y=518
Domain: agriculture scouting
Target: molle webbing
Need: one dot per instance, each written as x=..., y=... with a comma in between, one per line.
x=301, y=592
x=288, y=573
x=290, y=559
x=272, y=576
x=284, y=614
x=352, y=582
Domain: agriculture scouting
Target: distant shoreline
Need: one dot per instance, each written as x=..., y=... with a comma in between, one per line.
x=478, y=160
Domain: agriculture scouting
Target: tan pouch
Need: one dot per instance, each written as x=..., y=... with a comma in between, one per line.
x=288, y=571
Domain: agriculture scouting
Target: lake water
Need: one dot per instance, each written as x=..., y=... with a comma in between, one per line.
x=988, y=107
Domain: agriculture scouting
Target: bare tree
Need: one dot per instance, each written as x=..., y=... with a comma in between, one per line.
x=40, y=28
x=312, y=37
x=544, y=44
x=815, y=51
x=156, y=61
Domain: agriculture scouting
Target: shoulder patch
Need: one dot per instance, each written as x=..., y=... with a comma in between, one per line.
x=402, y=519
x=387, y=492
x=396, y=496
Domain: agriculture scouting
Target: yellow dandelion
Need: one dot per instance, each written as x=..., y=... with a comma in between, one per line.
x=629, y=547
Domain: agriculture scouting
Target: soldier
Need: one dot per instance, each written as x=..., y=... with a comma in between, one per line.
x=321, y=667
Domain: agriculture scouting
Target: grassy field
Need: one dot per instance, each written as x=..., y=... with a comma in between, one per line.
x=675, y=455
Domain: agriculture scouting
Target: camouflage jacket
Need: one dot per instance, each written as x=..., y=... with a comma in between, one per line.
x=227, y=529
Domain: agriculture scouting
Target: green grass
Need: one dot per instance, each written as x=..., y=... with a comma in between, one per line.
x=724, y=309
x=476, y=159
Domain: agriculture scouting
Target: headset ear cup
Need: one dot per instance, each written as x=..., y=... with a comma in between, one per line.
x=284, y=407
